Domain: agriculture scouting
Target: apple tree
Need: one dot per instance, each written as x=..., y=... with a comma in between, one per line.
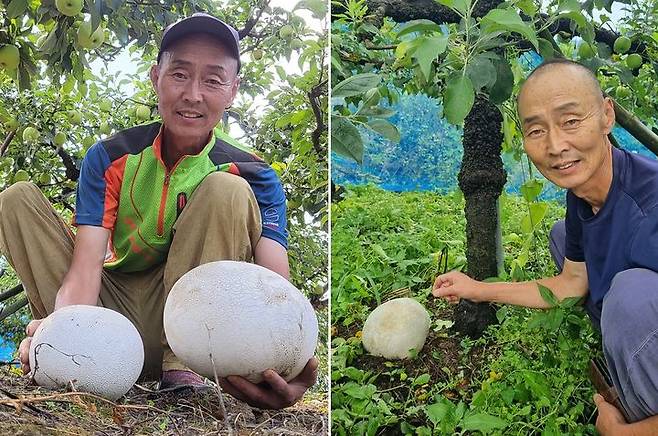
x=61, y=90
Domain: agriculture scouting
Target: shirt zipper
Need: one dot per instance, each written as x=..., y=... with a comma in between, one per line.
x=163, y=203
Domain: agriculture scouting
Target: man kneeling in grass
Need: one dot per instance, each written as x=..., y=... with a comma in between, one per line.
x=607, y=247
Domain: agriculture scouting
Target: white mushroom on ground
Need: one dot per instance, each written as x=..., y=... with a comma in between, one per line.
x=396, y=327
x=98, y=350
x=249, y=318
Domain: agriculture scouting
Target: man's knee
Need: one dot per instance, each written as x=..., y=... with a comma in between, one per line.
x=225, y=190
x=630, y=308
x=14, y=196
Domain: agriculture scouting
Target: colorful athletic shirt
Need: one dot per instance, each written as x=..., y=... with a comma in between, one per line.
x=125, y=187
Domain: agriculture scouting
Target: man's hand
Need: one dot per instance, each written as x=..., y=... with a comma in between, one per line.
x=456, y=285
x=24, y=347
x=610, y=421
x=274, y=392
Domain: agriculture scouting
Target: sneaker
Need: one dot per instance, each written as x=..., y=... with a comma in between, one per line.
x=178, y=379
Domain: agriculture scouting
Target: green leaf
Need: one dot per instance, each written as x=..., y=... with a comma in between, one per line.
x=436, y=412
x=346, y=139
x=355, y=85
x=458, y=98
x=577, y=17
x=379, y=251
x=546, y=49
x=537, y=213
x=429, y=49
x=554, y=318
x=570, y=302
x=481, y=71
x=547, y=295
x=531, y=189
x=94, y=7
x=419, y=26
x=528, y=7
x=482, y=422
x=501, y=313
x=386, y=129
x=16, y=8
x=421, y=380
x=502, y=89
x=375, y=111
x=460, y=6
x=509, y=20
x=538, y=320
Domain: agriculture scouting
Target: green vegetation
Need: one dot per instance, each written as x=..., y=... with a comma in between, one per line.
x=526, y=375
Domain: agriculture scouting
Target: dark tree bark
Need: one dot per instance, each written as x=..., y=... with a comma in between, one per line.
x=481, y=179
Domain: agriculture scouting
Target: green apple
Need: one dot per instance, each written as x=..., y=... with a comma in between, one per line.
x=286, y=32
x=21, y=176
x=88, y=142
x=45, y=179
x=622, y=92
x=105, y=128
x=89, y=40
x=143, y=112
x=634, y=61
x=105, y=105
x=69, y=7
x=75, y=117
x=585, y=51
x=9, y=57
x=59, y=139
x=296, y=44
x=30, y=135
x=257, y=54
x=622, y=44
x=11, y=124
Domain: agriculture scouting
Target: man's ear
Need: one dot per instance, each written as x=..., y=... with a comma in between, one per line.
x=234, y=90
x=154, y=74
x=609, y=114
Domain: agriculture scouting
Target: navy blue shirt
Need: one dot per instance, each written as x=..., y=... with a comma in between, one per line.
x=624, y=233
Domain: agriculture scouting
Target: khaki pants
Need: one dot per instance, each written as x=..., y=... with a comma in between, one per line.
x=220, y=222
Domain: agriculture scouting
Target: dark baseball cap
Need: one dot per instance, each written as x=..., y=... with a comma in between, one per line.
x=202, y=23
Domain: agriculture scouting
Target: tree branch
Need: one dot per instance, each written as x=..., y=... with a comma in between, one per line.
x=313, y=96
x=7, y=141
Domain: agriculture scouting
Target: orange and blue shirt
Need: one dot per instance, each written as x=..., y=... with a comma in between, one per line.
x=125, y=187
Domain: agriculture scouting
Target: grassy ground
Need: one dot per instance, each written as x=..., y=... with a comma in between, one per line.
x=526, y=375
x=142, y=411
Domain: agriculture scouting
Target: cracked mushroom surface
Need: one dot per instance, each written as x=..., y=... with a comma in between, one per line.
x=95, y=349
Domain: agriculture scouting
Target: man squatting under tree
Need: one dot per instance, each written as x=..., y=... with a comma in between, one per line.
x=606, y=248
x=131, y=194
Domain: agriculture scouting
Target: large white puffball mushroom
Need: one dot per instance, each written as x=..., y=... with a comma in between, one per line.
x=249, y=318
x=395, y=327
x=97, y=349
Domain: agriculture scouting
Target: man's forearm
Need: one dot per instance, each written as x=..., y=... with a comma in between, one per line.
x=79, y=288
x=526, y=293
x=273, y=256
x=82, y=283
x=646, y=427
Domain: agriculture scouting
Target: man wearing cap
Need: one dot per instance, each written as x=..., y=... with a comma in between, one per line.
x=153, y=202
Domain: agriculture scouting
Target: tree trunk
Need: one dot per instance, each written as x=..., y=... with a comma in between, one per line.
x=481, y=179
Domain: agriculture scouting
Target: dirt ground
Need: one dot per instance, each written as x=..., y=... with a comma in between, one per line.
x=26, y=409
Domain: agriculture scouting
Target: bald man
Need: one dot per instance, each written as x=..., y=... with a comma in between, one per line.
x=607, y=247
